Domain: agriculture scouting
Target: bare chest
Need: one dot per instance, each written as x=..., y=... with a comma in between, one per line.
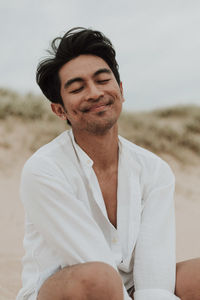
x=108, y=185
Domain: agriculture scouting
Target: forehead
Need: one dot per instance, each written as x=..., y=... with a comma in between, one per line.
x=82, y=66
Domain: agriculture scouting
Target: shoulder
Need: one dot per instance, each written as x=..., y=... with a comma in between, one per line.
x=153, y=169
x=50, y=157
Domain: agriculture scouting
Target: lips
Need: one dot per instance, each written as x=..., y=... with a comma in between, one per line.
x=97, y=107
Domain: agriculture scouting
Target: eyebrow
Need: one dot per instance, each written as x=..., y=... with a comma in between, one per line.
x=104, y=70
x=79, y=79
x=70, y=81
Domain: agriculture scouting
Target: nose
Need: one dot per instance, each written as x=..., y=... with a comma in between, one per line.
x=94, y=92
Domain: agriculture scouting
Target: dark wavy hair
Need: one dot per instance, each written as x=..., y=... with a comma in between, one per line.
x=75, y=42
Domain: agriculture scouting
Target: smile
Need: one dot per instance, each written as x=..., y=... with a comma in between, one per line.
x=98, y=107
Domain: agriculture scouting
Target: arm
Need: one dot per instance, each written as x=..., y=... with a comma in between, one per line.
x=154, y=261
x=63, y=220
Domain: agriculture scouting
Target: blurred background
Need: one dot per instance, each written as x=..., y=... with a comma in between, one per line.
x=157, y=45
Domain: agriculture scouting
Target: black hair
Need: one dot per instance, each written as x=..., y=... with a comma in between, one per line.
x=75, y=42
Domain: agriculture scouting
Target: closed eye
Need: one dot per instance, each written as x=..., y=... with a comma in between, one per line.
x=103, y=81
x=75, y=91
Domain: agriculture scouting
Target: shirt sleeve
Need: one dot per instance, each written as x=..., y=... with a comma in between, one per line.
x=154, y=258
x=64, y=221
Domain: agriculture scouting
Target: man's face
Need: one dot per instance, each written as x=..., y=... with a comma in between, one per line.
x=91, y=95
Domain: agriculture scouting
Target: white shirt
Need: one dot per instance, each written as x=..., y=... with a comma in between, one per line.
x=67, y=222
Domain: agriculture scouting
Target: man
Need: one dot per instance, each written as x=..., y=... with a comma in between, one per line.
x=99, y=209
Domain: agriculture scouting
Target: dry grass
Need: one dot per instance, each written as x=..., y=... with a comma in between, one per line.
x=173, y=131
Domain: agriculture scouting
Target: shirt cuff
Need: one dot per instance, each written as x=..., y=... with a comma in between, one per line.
x=154, y=294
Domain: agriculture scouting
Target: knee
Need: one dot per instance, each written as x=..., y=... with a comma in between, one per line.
x=98, y=280
x=92, y=280
x=188, y=279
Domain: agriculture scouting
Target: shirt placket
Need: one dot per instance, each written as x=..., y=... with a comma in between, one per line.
x=114, y=241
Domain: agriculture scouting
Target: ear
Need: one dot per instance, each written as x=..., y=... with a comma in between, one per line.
x=122, y=92
x=59, y=110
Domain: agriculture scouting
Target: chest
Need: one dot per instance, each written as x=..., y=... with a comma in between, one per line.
x=108, y=186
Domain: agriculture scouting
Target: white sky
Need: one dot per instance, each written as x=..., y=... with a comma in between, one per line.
x=157, y=44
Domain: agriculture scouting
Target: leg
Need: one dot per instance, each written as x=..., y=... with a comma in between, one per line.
x=188, y=279
x=87, y=281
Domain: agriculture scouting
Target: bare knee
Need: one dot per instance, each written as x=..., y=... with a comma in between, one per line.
x=93, y=280
x=101, y=280
x=188, y=279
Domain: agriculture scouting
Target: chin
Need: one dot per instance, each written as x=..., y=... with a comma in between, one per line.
x=100, y=128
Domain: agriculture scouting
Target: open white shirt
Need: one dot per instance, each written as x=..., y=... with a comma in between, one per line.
x=67, y=223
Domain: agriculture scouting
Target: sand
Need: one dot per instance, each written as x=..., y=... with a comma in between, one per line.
x=187, y=205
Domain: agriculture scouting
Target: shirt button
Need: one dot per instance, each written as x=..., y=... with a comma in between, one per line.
x=114, y=240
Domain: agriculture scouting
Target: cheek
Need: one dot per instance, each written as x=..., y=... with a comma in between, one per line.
x=120, y=97
x=67, y=103
x=71, y=109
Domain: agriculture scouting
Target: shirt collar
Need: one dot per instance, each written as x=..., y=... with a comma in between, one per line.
x=83, y=157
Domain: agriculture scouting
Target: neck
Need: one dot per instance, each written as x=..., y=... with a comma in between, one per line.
x=102, y=149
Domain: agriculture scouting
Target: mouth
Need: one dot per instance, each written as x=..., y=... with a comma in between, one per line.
x=98, y=107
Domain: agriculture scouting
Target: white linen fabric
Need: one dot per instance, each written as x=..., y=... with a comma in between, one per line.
x=66, y=220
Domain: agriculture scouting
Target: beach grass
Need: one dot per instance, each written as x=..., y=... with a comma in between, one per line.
x=173, y=131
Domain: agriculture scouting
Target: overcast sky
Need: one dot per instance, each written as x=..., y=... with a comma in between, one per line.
x=157, y=44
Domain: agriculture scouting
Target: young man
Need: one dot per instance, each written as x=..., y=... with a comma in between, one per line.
x=99, y=209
